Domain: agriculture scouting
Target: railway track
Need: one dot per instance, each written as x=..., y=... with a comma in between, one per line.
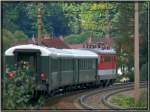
x=98, y=99
x=67, y=99
x=94, y=98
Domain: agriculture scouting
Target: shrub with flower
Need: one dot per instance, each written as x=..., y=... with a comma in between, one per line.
x=18, y=86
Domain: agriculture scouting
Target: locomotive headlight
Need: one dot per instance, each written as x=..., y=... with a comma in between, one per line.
x=42, y=76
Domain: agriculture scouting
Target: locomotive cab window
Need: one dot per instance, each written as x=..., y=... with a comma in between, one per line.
x=107, y=58
x=114, y=58
x=101, y=59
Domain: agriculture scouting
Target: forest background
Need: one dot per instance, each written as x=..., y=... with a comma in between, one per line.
x=76, y=21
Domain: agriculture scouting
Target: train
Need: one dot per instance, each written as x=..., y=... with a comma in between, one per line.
x=65, y=69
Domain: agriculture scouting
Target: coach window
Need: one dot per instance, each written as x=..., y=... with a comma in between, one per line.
x=86, y=64
x=64, y=65
x=54, y=65
x=89, y=64
x=114, y=58
x=93, y=64
x=80, y=63
x=83, y=64
x=70, y=65
x=67, y=64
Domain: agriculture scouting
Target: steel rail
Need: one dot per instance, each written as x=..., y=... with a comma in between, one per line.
x=112, y=106
x=83, y=98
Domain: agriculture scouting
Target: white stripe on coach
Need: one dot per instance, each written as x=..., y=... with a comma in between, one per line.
x=107, y=72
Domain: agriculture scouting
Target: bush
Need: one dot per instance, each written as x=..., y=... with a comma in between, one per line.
x=10, y=37
x=123, y=101
x=128, y=101
x=131, y=76
x=18, y=90
x=118, y=78
x=143, y=73
x=20, y=35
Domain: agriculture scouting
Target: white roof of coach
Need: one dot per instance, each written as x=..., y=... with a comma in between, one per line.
x=60, y=53
x=81, y=53
x=72, y=53
x=44, y=50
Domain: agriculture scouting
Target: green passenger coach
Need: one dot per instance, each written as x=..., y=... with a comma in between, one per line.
x=53, y=68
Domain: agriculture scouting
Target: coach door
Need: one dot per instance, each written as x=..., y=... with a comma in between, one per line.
x=28, y=60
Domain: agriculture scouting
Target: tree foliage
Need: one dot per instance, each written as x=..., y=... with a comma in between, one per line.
x=23, y=16
x=123, y=29
x=18, y=90
x=9, y=37
x=76, y=21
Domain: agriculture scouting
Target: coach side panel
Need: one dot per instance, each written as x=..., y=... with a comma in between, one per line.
x=67, y=74
x=87, y=70
x=55, y=74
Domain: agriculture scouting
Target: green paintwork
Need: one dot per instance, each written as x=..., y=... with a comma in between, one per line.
x=44, y=66
x=10, y=60
x=61, y=72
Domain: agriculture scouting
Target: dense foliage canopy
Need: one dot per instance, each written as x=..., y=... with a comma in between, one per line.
x=76, y=21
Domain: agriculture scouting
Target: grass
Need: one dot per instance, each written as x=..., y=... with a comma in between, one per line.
x=128, y=101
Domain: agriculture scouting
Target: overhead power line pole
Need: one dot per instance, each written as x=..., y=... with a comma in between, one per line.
x=136, y=54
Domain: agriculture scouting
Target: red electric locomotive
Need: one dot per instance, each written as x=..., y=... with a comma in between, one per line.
x=106, y=66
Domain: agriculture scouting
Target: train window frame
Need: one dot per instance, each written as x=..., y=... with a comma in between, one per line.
x=87, y=64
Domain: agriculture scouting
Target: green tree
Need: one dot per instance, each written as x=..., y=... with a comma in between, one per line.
x=143, y=11
x=123, y=30
x=123, y=26
x=18, y=88
x=9, y=38
x=54, y=19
